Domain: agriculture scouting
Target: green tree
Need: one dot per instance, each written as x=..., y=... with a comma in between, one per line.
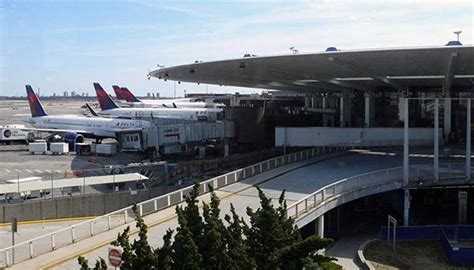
x=273, y=239
x=139, y=253
x=100, y=264
x=185, y=253
x=213, y=249
x=270, y=241
x=163, y=254
x=237, y=248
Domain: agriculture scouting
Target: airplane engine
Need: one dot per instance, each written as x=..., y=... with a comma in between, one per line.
x=72, y=139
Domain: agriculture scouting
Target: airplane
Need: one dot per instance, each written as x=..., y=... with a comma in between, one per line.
x=91, y=110
x=110, y=108
x=123, y=94
x=74, y=126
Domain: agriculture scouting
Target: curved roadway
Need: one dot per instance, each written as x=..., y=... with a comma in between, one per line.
x=298, y=183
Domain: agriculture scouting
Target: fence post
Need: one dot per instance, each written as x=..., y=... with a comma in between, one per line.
x=125, y=215
x=31, y=250
x=53, y=242
x=73, y=235
x=7, y=257
x=109, y=222
x=92, y=228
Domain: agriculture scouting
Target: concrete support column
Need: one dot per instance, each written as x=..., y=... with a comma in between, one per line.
x=314, y=101
x=406, y=207
x=447, y=118
x=436, y=141
x=345, y=111
x=307, y=100
x=401, y=108
x=324, y=102
x=369, y=113
x=406, y=163
x=226, y=148
x=320, y=226
x=468, y=140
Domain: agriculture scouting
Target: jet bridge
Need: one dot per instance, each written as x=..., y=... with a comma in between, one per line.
x=176, y=138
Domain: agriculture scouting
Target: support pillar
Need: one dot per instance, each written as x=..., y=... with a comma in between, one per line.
x=369, y=113
x=320, y=225
x=307, y=100
x=468, y=140
x=314, y=101
x=226, y=147
x=436, y=141
x=406, y=207
x=345, y=111
x=447, y=118
x=324, y=101
x=401, y=109
x=406, y=164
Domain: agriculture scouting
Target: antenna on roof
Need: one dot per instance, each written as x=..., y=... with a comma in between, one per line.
x=457, y=33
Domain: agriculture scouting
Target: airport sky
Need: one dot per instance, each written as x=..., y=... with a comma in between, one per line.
x=67, y=45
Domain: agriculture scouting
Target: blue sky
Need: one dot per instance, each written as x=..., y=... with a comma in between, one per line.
x=68, y=45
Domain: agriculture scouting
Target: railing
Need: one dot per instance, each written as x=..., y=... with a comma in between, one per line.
x=393, y=176
x=74, y=233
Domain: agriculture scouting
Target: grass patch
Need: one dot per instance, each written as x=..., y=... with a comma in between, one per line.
x=408, y=255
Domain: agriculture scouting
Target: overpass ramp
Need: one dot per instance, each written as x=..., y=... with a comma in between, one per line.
x=299, y=179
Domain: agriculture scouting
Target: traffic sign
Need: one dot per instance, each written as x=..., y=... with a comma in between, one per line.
x=115, y=257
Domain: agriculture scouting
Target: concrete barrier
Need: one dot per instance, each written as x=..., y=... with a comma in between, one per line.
x=360, y=258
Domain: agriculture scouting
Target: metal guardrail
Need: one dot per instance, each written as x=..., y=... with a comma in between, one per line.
x=49, y=242
x=394, y=176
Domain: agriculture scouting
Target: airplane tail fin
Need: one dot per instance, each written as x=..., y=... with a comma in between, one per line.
x=36, y=108
x=91, y=110
x=119, y=92
x=105, y=101
x=129, y=96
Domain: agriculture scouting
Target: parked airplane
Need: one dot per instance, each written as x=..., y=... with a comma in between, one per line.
x=109, y=107
x=73, y=127
x=123, y=94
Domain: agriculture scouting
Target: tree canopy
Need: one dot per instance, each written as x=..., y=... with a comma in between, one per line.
x=206, y=241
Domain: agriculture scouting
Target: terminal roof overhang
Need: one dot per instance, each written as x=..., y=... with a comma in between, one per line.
x=427, y=68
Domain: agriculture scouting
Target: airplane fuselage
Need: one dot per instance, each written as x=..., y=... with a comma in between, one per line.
x=172, y=113
x=97, y=127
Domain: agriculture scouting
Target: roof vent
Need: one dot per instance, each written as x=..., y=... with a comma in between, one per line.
x=332, y=49
x=454, y=43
